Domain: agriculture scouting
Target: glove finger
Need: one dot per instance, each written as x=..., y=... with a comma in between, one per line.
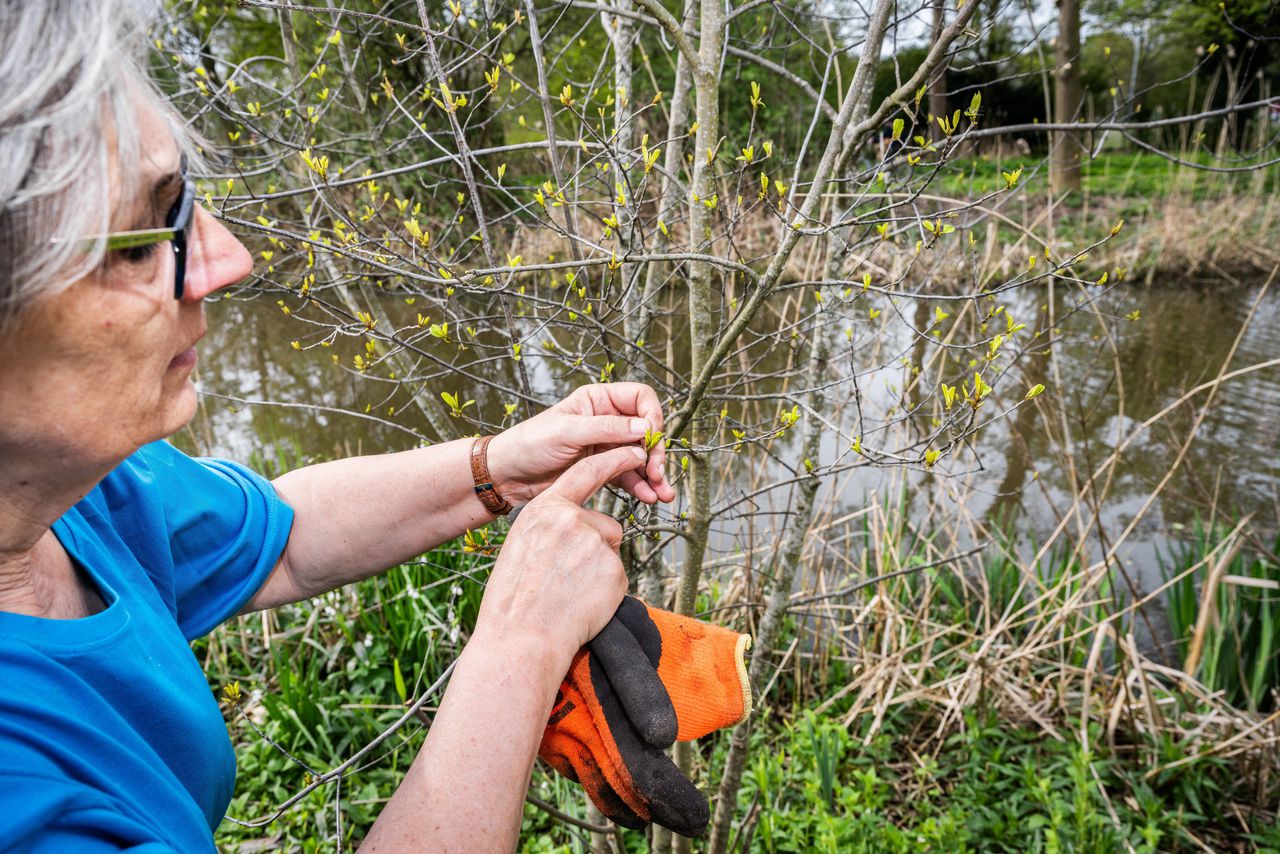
x=674, y=802
x=645, y=704
x=615, y=809
x=617, y=656
x=704, y=669
x=611, y=804
x=604, y=796
x=567, y=746
x=634, y=614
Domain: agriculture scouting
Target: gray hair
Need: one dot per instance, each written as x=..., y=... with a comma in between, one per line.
x=71, y=76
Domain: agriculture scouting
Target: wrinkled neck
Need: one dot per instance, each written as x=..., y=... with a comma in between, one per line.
x=37, y=577
x=44, y=582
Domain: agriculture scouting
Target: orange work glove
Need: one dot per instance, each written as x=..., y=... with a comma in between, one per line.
x=649, y=678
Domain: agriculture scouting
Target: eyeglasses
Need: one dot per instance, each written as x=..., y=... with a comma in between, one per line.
x=177, y=228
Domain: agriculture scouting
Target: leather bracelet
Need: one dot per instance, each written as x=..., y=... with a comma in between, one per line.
x=485, y=491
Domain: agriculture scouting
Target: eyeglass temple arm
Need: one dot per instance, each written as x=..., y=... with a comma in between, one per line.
x=123, y=239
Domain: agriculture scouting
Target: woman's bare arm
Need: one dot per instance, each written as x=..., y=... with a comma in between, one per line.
x=544, y=600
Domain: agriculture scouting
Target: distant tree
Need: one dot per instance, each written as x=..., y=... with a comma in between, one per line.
x=1068, y=97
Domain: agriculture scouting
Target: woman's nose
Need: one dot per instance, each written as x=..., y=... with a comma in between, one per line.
x=216, y=258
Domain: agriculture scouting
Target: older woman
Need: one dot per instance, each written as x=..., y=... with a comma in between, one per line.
x=116, y=550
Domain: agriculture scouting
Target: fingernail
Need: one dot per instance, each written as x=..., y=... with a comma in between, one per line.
x=639, y=454
x=639, y=426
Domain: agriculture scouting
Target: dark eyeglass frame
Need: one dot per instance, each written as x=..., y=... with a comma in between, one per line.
x=176, y=231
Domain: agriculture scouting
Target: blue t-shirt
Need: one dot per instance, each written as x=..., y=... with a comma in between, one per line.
x=110, y=737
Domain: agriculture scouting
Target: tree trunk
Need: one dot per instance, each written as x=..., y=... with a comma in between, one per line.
x=672, y=163
x=782, y=571
x=703, y=323
x=621, y=31
x=938, y=87
x=703, y=310
x=1064, y=163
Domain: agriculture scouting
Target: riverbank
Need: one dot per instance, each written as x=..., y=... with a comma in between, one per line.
x=1174, y=221
x=1179, y=219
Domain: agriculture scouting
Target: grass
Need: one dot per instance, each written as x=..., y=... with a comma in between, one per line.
x=1136, y=175
x=815, y=786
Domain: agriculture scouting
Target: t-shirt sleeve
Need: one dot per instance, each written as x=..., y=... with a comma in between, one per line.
x=227, y=528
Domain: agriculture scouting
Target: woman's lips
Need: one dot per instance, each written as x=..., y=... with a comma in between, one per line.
x=185, y=359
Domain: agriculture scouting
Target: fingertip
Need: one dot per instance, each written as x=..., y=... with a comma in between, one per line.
x=639, y=488
x=656, y=470
x=627, y=480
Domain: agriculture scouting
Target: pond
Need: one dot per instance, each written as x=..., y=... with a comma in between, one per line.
x=1024, y=471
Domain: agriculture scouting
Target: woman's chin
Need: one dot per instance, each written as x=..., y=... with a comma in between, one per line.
x=181, y=409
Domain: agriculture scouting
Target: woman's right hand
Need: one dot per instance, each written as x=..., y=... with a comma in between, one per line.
x=555, y=585
x=558, y=579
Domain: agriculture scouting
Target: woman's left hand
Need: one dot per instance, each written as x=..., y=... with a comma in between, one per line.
x=527, y=458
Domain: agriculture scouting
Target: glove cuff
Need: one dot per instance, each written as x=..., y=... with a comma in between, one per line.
x=744, y=680
x=705, y=670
